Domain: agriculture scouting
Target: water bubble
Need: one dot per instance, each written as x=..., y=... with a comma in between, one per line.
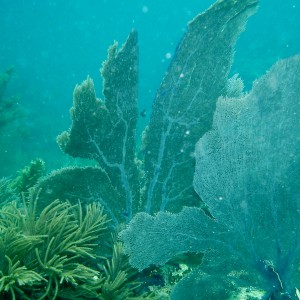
x=168, y=55
x=145, y=9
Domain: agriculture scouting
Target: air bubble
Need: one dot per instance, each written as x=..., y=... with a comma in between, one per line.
x=168, y=55
x=145, y=9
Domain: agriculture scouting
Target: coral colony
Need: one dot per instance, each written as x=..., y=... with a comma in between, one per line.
x=207, y=209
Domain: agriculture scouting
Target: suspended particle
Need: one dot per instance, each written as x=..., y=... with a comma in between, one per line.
x=168, y=55
x=145, y=9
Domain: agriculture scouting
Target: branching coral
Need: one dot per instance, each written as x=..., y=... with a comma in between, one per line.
x=28, y=176
x=11, y=189
x=6, y=191
x=54, y=254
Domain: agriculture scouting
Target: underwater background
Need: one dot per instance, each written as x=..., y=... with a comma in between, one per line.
x=54, y=45
x=179, y=175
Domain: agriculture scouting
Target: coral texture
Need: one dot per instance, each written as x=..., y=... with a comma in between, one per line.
x=247, y=173
x=104, y=130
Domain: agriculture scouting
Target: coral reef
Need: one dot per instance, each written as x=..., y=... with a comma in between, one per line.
x=12, y=189
x=56, y=254
x=247, y=173
x=230, y=229
x=6, y=191
x=29, y=176
x=104, y=130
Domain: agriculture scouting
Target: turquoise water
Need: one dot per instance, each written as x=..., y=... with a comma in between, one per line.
x=208, y=207
x=54, y=45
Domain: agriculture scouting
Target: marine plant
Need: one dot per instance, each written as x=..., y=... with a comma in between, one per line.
x=104, y=130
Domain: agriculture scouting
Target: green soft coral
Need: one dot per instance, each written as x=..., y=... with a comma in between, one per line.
x=56, y=254
x=28, y=176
